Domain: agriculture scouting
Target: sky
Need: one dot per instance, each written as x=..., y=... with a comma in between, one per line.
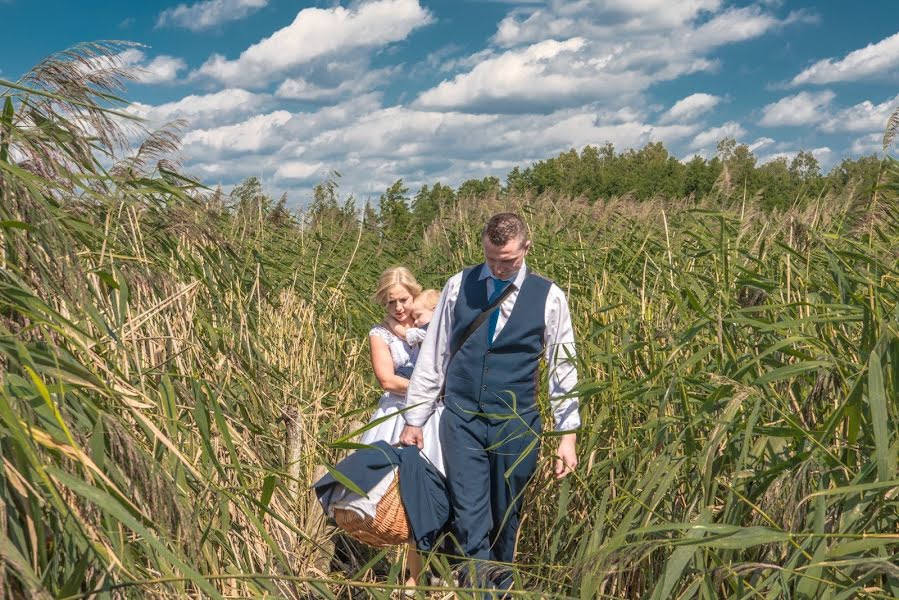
x=448, y=90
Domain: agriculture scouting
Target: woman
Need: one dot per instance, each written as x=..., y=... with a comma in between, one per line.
x=396, y=291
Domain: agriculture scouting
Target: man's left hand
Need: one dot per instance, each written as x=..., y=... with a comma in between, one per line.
x=566, y=457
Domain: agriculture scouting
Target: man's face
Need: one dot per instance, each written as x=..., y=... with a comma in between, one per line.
x=505, y=261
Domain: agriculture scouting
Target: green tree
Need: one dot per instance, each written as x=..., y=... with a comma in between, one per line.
x=428, y=203
x=739, y=161
x=805, y=167
x=776, y=183
x=479, y=188
x=394, y=216
x=700, y=176
x=861, y=173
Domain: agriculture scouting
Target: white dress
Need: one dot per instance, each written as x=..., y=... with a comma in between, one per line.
x=390, y=429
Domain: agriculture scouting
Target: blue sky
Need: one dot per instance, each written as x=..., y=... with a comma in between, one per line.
x=446, y=90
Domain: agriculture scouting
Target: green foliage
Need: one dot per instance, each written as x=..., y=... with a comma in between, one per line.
x=429, y=203
x=602, y=174
x=176, y=369
x=394, y=215
x=479, y=188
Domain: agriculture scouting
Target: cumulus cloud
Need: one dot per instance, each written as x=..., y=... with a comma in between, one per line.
x=687, y=109
x=300, y=170
x=161, y=69
x=208, y=13
x=864, y=116
x=257, y=133
x=374, y=145
x=872, y=61
x=340, y=83
x=602, y=49
x=867, y=144
x=565, y=18
x=710, y=137
x=204, y=109
x=316, y=33
x=548, y=74
x=803, y=108
x=760, y=143
x=556, y=75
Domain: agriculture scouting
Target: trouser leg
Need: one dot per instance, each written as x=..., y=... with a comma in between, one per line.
x=513, y=448
x=468, y=481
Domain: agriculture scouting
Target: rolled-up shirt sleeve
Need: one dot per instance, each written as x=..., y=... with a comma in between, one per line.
x=415, y=335
x=560, y=361
x=430, y=368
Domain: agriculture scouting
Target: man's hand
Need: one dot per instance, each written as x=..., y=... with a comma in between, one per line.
x=566, y=457
x=412, y=436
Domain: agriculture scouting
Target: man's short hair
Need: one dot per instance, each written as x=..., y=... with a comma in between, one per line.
x=502, y=228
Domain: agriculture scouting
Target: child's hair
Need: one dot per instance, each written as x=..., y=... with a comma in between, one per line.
x=395, y=276
x=428, y=298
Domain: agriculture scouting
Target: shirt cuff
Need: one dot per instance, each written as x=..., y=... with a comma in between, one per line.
x=418, y=415
x=567, y=417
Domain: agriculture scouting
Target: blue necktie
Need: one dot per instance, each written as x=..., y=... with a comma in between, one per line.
x=498, y=286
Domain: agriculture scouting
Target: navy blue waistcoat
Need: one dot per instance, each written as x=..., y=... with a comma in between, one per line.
x=497, y=379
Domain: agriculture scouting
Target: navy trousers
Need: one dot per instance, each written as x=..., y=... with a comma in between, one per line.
x=489, y=463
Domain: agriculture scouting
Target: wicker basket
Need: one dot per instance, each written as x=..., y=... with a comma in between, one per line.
x=390, y=525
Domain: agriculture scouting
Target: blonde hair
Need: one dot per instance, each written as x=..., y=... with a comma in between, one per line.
x=428, y=298
x=392, y=277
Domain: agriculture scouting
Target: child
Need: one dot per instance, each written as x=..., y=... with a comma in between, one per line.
x=422, y=310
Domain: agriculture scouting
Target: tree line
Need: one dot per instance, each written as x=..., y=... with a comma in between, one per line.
x=594, y=174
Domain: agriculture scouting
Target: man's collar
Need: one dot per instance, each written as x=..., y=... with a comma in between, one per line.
x=517, y=281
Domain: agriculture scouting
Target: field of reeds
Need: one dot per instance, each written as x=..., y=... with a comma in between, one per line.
x=178, y=365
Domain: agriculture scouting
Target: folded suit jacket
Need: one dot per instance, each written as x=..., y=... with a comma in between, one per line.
x=422, y=488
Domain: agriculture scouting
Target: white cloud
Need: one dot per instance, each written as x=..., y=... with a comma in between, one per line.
x=872, y=61
x=822, y=154
x=299, y=170
x=161, y=69
x=565, y=18
x=803, y=108
x=373, y=146
x=546, y=74
x=864, y=116
x=687, y=109
x=602, y=49
x=316, y=33
x=711, y=137
x=349, y=83
x=203, y=110
x=868, y=144
x=208, y=13
x=733, y=25
x=760, y=143
x=257, y=133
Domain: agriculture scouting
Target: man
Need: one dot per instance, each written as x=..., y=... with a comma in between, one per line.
x=490, y=428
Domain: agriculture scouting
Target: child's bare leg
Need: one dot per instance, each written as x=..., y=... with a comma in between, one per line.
x=413, y=563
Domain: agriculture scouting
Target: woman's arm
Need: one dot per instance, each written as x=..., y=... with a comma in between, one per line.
x=398, y=328
x=382, y=363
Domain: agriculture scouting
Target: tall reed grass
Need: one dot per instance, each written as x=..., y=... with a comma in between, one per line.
x=176, y=369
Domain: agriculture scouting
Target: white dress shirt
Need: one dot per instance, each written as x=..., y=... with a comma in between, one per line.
x=415, y=335
x=558, y=339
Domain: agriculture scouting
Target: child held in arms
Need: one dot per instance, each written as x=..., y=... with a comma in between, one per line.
x=422, y=310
